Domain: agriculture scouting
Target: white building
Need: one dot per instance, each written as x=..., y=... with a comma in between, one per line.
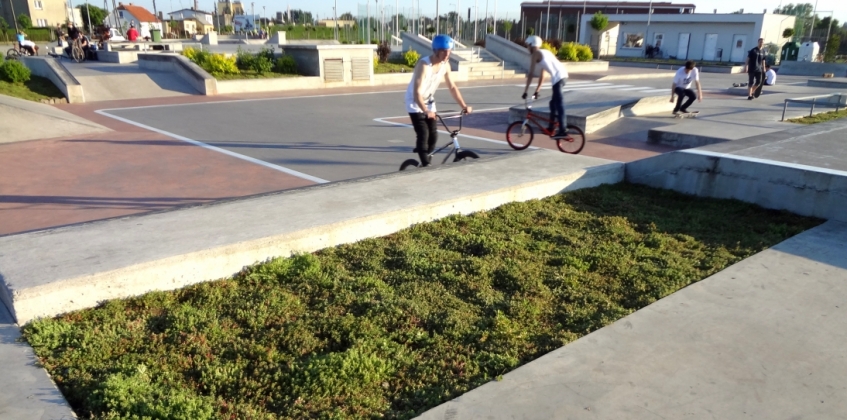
x=129, y=13
x=706, y=37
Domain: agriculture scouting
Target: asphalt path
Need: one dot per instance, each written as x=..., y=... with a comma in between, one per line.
x=331, y=137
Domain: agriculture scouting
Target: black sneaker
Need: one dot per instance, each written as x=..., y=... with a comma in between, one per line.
x=676, y=112
x=560, y=135
x=750, y=98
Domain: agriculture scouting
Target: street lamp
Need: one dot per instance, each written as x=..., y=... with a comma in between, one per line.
x=335, y=17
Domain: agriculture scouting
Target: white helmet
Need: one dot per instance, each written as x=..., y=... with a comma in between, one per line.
x=534, y=41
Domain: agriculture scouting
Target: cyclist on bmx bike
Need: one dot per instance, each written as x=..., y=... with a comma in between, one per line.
x=420, y=103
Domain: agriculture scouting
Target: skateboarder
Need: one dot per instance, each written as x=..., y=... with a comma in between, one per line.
x=755, y=68
x=681, y=87
x=770, y=75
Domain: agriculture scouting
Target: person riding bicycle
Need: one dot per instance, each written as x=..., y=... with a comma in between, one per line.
x=558, y=75
x=420, y=102
x=73, y=33
x=25, y=45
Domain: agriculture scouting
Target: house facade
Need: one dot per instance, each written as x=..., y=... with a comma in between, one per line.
x=702, y=37
x=131, y=14
x=42, y=13
x=193, y=21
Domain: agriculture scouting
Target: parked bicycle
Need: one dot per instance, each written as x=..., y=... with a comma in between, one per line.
x=519, y=135
x=16, y=52
x=77, y=52
x=456, y=150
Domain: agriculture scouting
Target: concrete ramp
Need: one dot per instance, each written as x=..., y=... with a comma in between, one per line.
x=112, y=81
x=697, y=133
x=26, y=120
x=802, y=170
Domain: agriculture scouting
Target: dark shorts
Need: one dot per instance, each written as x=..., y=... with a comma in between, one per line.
x=754, y=79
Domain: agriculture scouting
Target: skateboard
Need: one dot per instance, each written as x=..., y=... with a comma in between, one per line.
x=758, y=90
x=691, y=114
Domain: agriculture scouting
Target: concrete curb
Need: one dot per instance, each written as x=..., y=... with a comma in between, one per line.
x=51, y=272
x=53, y=69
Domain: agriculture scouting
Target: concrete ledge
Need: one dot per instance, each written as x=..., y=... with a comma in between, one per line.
x=586, y=66
x=805, y=68
x=828, y=83
x=54, y=271
x=673, y=67
x=269, y=85
x=593, y=111
x=668, y=75
x=195, y=76
x=117, y=56
x=697, y=132
x=52, y=69
x=392, y=78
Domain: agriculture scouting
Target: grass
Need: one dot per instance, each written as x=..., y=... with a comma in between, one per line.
x=36, y=89
x=819, y=118
x=390, y=327
x=250, y=74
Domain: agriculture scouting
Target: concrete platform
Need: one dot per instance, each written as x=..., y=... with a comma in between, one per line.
x=696, y=132
x=829, y=83
x=802, y=170
x=762, y=339
x=27, y=120
x=54, y=271
x=592, y=111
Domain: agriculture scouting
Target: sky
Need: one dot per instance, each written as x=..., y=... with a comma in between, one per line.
x=504, y=8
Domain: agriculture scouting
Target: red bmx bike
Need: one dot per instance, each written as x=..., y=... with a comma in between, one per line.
x=520, y=133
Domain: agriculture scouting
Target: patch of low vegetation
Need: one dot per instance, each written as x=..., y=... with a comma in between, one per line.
x=244, y=64
x=16, y=80
x=392, y=326
x=819, y=118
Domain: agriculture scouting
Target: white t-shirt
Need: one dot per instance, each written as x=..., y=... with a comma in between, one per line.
x=553, y=66
x=770, y=77
x=429, y=85
x=684, y=80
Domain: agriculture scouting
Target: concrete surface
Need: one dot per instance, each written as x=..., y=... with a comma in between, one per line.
x=840, y=84
x=55, y=271
x=28, y=392
x=184, y=69
x=802, y=170
x=763, y=339
x=53, y=69
x=696, y=132
x=27, y=120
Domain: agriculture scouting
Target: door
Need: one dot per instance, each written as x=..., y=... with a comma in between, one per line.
x=739, y=54
x=710, y=48
x=682, y=47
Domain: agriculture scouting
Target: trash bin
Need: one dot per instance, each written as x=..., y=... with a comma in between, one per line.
x=156, y=35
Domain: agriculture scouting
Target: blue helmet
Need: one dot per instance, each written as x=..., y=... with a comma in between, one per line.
x=442, y=42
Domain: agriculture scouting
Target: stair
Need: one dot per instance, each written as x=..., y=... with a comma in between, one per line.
x=485, y=66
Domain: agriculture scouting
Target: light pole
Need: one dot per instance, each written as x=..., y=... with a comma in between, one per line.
x=475, y=20
x=253, y=13
x=547, y=28
x=647, y=31
x=813, y=20
x=437, y=19
x=335, y=17
x=368, y=22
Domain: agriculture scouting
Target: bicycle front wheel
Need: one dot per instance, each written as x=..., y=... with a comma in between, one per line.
x=12, y=54
x=574, y=142
x=77, y=54
x=519, y=135
x=465, y=154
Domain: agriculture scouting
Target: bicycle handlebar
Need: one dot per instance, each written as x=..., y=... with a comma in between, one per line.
x=460, y=116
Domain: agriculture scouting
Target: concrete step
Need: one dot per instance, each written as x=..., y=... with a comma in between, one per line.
x=493, y=72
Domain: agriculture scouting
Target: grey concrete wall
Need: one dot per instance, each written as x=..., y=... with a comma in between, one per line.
x=784, y=187
x=508, y=51
x=308, y=61
x=805, y=68
x=697, y=40
x=53, y=70
x=195, y=76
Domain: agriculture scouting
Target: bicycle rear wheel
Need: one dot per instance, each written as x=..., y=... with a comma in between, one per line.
x=574, y=142
x=519, y=136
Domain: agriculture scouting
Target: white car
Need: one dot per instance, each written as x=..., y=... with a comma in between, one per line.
x=115, y=36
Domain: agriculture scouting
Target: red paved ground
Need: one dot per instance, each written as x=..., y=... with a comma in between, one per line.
x=56, y=182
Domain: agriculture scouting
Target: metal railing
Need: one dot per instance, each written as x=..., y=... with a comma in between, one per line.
x=813, y=100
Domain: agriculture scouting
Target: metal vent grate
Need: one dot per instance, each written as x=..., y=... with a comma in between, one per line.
x=334, y=70
x=362, y=69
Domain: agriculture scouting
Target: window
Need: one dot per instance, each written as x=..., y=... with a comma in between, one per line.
x=42, y=23
x=39, y=5
x=635, y=40
x=657, y=40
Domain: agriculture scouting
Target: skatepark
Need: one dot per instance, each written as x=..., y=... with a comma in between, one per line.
x=150, y=186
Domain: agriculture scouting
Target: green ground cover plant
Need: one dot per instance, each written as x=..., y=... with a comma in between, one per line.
x=392, y=326
x=32, y=88
x=244, y=64
x=819, y=118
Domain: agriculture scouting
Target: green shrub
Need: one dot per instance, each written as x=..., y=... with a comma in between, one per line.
x=262, y=65
x=14, y=71
x=267, y=53
x=548, y=47
x=383, y=50
x=220, y=64
x=568, y=52
x=244, y=60
x=583, y=53
x=411, y=58
x=376, y=62
x=285, y=65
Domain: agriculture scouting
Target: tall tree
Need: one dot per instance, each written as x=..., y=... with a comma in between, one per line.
x=24, y=21
x=824, y=23
x=346, y=16
x=3, y=28
x=98, y=15
x=799, y=10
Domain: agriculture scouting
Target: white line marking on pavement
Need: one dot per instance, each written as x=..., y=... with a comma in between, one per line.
x=767, y=161
x=655, y=90
x=217, y=149
x=639, y=88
